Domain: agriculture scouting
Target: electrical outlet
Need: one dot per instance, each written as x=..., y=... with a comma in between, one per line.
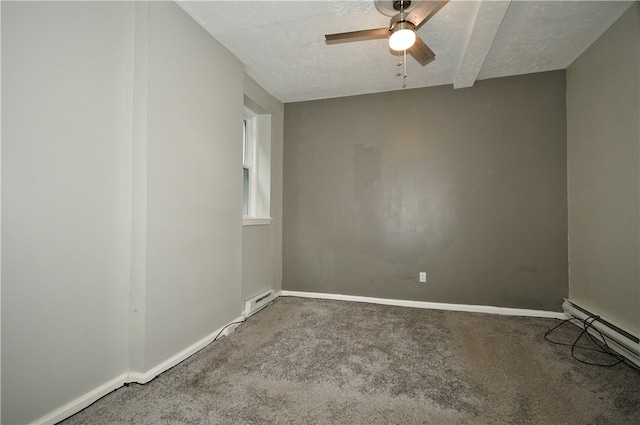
x=423, y=277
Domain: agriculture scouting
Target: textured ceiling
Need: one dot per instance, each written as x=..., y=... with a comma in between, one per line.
x=282, y=43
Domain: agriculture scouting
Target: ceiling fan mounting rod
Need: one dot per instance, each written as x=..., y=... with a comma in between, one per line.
x=400, y=5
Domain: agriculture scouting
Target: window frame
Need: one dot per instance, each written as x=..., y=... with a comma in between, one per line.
x=248, y=162
x=251, y=162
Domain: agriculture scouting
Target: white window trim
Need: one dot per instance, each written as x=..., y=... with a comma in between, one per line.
x=252, y=221
x=258, y=156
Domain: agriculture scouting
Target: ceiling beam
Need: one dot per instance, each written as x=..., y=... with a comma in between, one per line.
x=486, y=25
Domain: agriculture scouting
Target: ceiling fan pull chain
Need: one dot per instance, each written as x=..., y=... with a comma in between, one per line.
x=404, y=61
x=404, y=52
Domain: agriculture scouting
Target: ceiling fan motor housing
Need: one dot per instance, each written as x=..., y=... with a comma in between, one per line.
x=401, y=24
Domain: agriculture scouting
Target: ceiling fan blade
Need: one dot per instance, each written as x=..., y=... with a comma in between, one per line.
x=423, y=11
x=421, y=52
x=357, y=35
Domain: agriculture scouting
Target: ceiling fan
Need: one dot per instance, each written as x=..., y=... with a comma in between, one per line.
x=406, y=18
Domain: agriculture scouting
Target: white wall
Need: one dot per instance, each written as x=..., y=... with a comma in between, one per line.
x=66, y=200
x=603, y=112
x=121, y=197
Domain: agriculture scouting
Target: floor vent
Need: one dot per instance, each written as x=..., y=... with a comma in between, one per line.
x=624, y=342
x=257, y=303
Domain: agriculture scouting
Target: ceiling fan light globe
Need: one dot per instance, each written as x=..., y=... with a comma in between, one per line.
x=402, y=39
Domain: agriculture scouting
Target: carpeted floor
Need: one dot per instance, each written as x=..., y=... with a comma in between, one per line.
x=305, y=361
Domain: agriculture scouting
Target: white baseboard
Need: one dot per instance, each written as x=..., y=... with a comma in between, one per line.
x=81, y=402
x=143, y=378
x=429, y=305
x=87, y=399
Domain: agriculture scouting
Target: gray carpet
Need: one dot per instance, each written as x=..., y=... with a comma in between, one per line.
x=304, y=361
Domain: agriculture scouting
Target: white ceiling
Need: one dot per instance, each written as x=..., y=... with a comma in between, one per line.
x=282, y=42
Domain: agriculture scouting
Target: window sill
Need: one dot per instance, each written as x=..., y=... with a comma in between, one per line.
x=253, y=221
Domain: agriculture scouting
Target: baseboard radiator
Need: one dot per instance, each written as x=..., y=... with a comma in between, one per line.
x=257, y=303
x=622, y=341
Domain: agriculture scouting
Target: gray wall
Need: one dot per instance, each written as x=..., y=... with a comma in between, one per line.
x=603, y=98
x=467, y=185
x=121, y=196
x=194, y=228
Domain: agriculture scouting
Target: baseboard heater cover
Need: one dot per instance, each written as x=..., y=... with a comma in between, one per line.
x=624, y=342
x=257, y=303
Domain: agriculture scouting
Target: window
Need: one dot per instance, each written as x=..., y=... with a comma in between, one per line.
x=256, y=166
x=248, y=153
